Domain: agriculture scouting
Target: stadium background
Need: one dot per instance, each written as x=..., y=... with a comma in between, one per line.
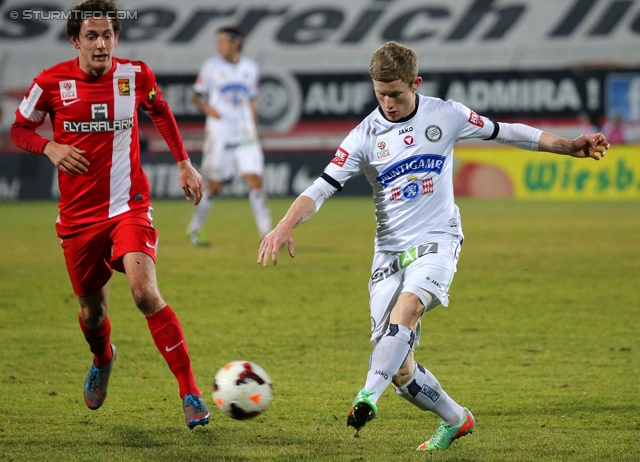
x=544, y=62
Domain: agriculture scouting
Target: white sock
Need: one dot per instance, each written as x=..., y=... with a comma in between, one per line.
x=200, y=213
x=387, y=357
x=424, y=391
x=260, y=211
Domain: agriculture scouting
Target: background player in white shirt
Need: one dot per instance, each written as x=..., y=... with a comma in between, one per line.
x=405, y=150
x=226, y=92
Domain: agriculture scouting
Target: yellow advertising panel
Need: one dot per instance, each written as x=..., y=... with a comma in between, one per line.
x=497, y=171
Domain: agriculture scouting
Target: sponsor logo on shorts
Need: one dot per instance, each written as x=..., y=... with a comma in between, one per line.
x=404, y=259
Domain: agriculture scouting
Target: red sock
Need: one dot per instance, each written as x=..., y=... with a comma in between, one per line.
x=99, y=340
x=169, y=338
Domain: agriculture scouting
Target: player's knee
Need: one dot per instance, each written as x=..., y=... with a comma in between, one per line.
x=92, y=317
x=254, y=181
x=402, y=333
x=408, y=310
x=93, y=308
x=213, y=187
x=146, y=299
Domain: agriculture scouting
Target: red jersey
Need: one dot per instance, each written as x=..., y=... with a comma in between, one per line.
x=99, y=116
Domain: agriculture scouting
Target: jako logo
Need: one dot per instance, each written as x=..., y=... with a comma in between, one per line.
x=383, y=374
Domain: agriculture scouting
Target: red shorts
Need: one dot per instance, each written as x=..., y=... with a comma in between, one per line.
x=93, y=251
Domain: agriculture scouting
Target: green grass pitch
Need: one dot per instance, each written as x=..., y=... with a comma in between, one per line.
x=541, y=339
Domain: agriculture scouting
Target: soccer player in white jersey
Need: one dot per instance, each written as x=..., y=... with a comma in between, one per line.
x=405, y=150
x=226, y=91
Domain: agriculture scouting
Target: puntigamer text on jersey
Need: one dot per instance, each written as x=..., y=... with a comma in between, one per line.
x=420, y=163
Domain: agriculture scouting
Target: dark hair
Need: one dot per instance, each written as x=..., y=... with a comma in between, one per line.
x=234, y=34
x=92, y=8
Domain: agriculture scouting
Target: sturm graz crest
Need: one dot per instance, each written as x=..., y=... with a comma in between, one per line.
x=433, y=133
x=411, y=191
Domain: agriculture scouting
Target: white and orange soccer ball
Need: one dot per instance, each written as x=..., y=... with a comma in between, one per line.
x=242, y=390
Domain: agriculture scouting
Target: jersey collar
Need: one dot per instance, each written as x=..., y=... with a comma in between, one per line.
x=84, y=76
x=404, y=119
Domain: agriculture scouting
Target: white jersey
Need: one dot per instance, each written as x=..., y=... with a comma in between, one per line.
x=229, y=89
x=409, y=164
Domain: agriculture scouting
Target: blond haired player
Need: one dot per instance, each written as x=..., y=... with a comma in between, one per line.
x=405, y=150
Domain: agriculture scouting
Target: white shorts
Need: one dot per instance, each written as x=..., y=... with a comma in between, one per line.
x=428, y=267
x=224, y=156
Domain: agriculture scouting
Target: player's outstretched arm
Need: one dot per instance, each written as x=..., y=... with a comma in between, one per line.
x=191, y=181
x=302, y=209
x=585, y=146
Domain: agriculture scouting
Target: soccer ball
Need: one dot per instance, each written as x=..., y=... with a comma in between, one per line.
x=242, y=390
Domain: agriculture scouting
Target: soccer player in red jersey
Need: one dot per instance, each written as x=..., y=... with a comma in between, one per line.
x=105, y=219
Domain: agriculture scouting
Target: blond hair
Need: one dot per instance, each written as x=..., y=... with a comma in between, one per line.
x=393, y=61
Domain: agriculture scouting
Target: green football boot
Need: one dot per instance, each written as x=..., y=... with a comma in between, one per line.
x=362, y=410
x=446, y=434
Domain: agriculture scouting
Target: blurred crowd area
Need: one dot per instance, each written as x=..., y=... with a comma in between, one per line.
x=567, y=66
